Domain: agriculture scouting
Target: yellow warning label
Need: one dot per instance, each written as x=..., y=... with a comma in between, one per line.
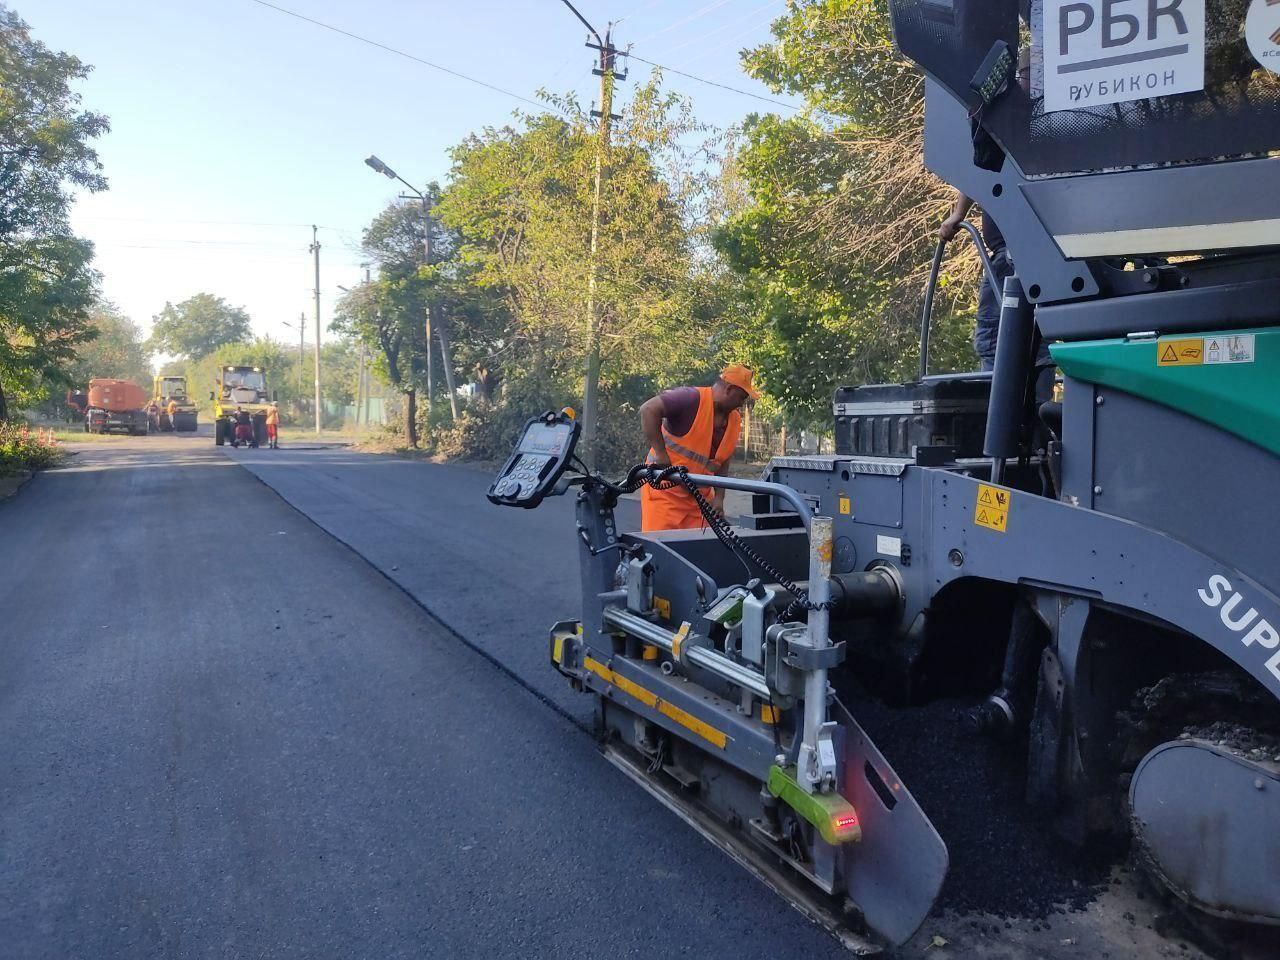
x=991, y=509
x=846, y=507
x=1180, y=353
x=663, y=606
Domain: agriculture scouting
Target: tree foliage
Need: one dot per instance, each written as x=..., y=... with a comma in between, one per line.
x=199, y=325
x=520, y=198
x=46, y=281
x=840, y=219
x=117, y=350
x=388, y=314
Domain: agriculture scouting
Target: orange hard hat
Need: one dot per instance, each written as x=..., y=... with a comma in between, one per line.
x=738, y=375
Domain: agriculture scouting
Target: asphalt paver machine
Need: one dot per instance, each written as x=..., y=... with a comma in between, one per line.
x=1105, y=567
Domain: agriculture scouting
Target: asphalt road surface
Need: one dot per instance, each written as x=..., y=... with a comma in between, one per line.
x=313, y=716
x=225, y=735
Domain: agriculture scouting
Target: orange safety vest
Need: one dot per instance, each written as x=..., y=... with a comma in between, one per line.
x=674, y=509
x=273, y=417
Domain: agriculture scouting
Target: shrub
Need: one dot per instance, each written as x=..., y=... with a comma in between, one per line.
x=489, y=431
x=22, y=448
x=484, y=431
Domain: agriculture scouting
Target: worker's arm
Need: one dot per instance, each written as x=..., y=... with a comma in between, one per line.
x=959, y=210
x=652, y=413
x=717, y=495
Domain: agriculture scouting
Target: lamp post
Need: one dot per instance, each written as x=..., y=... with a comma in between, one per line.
x=301, y=327
x=432, y=329
x=360, y=387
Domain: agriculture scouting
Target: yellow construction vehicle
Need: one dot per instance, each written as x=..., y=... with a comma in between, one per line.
x=164, y=391
x=240, y=388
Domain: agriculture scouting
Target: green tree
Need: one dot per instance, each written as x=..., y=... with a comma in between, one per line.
x=341, y=362
x=835, y=237
x=46, y=281
x=199, y=325
x=117, y=350
x=389, y=314
x=520, y=199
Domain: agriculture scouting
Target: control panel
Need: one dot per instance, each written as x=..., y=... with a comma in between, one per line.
x=540, y=458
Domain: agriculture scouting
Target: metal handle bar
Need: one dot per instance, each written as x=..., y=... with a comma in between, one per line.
x=756, y=486
x=926, y=318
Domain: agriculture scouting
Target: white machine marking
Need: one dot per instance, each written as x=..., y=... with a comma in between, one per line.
x=1253, y=629
x=1238, y=348
x=1098, y=52
x=1209, y=236
x=889, y=546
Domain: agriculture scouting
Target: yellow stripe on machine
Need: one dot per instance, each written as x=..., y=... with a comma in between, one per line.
x=690, y=722
x=687, y=720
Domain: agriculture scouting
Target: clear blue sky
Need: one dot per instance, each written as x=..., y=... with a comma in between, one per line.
x=235, y=126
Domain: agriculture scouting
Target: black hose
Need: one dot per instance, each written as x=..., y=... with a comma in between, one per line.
x=926, y=318
x=982, y=255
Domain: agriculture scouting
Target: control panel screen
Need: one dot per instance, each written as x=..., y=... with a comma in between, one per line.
x=539, y=460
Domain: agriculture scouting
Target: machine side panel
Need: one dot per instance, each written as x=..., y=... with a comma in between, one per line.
x=1227, y=379
x=1059, y=547
x=1207, y=488
x=1130, y=210
x=886, y=529
x=1078, y=413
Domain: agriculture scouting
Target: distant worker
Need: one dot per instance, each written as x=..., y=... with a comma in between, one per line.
x=273, y=426
x=697, y=428
x=243, y=426
x=172, y=410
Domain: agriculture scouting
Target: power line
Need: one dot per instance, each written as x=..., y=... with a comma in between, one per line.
x=725, y=27
x=700, y=12
x=401, y=53
x=509, y=93
x=222, y=223
x=713, y=83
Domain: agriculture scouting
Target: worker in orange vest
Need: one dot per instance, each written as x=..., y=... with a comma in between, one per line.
x=172, y=410
x=697, y=428
x=273, y=426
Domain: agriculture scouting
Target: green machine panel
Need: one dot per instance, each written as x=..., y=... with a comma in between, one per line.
x=1229, y=379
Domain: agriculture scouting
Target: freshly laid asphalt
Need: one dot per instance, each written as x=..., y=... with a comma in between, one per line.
x=226, y=735
x=497, y=577
x=305, y=709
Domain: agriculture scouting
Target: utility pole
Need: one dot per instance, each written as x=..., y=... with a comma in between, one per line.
x=302, y=352
x=440, y=328
x=360, y=390
x=315, y=250
x=426, y=245
x=361, y=402
x=608, y=54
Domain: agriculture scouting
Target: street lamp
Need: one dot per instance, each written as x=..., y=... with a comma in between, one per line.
x=379, y=167
x=301, y=327
x=390, y=174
